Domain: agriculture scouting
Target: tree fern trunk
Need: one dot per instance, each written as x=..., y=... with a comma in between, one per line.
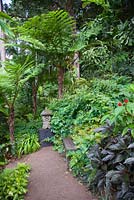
x=69, y=9
x=60, y=81
x=76, y=64
x=2, y=48
x=34, y=91
x=11, y=124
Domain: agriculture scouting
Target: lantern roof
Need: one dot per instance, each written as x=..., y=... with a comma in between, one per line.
x=46, y=112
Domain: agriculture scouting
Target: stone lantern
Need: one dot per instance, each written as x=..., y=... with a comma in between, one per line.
x=45, y=132
x=46, y=118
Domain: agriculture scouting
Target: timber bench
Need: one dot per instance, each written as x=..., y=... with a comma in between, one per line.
x=69, y=146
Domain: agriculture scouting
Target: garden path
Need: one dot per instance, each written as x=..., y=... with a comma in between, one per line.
x=49, y=179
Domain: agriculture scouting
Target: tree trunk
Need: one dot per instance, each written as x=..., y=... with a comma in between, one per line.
x=2, y=48
x=60, y=81
x=11, y=124
x=34, y=91
x=76, y=64
x=69, y=9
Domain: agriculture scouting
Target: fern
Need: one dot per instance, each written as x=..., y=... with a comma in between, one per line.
x=54, y=30
x=3, y=25
x=11, y=79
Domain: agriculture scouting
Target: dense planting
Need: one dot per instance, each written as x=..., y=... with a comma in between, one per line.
x=82, y=52
x=103, y=151
x=13, y=182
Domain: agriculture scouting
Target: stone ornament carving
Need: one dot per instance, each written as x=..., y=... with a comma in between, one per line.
x=46, y=117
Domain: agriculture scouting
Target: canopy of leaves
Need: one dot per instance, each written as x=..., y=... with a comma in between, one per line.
x=54, y=30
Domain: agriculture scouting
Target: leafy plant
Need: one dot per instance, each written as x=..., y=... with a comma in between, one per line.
x=55, y=31
x=98, y=2
x=4, y=26
x=11, y=80
x=13, y=182
x=5, y=153
x=113, y=161
x=123, y=117
x=26, y=143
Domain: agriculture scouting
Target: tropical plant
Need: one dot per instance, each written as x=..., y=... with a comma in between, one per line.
x=123, y=117
x=11, y=80
x=102, y=3
x=3, y=25
x=5, y=153
x=55, y=31
x=113, y=161
x=26, y=143
x=13, y=182
x=4, y=30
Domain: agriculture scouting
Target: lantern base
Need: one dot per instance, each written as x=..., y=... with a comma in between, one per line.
x=45, y=134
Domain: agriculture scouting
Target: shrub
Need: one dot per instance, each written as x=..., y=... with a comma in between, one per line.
x=26, y=143
x=13, y=182
x=80, y=114
x=5, y=153
x=113, y=160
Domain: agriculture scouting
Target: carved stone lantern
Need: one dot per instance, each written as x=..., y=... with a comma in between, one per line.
x=46, y=117
x=45, y=132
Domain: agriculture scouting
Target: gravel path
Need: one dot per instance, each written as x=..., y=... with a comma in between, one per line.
x=49, y=179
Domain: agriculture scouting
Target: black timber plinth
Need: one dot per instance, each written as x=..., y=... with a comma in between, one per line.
x=45, y=134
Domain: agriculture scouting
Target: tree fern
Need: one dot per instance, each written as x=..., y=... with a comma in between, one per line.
x=11, y=79
x=3, y=25
x=54, y=30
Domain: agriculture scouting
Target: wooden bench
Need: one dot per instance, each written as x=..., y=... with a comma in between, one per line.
x=69, y=146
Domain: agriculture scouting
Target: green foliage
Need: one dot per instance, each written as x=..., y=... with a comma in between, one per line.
x=5, y=152
x=4, y=26
x=54, y=30
x=88, y=105
x=107, y=43
x=57, y=142
x=122, y=117
x=11, y=80
x=28, y=124
x=77, y=109
x=26, y=137
x=13, y=182
x=78, y=115
x=116, y=87
x=26, y=143
x=98, y=2
x=78, y=163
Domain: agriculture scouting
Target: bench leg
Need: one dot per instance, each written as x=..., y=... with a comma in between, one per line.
x=67, y=161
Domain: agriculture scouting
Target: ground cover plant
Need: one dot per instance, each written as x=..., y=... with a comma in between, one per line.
x=13, y=182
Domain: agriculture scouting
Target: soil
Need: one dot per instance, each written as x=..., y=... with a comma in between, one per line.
x=49, y=178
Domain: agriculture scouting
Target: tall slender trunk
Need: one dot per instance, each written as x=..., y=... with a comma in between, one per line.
x=2, y=47
x=69, y=9
x=34, y=91
x=60, y=81
x=76, y=64
x=35, y=88
x=11, y=124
